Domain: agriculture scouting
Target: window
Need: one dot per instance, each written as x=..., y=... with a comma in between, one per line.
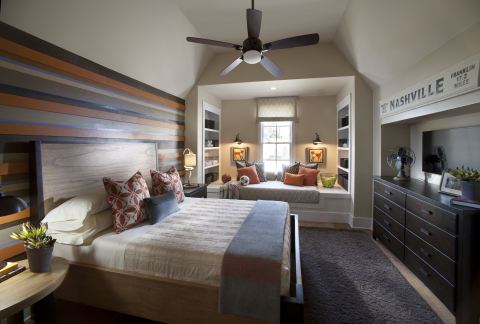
x=276, y=144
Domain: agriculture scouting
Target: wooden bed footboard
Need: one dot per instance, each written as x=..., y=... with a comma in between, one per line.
x=166, y=300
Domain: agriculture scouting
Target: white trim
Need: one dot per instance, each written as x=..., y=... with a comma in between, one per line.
x=360, y=222
x=345, y=102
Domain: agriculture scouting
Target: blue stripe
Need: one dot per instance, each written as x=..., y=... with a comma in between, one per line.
x=13, y=182
x=89, y=103
x=10, y=243
x=80, y=127
x=87, y=84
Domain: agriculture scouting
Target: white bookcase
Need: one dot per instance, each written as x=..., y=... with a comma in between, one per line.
x=211, y=113
x=344, y=133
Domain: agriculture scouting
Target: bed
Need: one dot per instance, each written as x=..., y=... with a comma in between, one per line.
x=99, y=276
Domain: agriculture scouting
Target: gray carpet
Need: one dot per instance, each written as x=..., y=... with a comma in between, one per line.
x=347, y=279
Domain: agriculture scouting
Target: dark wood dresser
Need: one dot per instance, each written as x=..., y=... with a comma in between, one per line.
x=438, y=242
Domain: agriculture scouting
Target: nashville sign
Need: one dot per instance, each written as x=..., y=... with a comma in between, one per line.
x=460, y=78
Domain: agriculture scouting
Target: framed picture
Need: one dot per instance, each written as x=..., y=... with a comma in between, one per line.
x=450, y=185
x=240, y=154
x=317, y=155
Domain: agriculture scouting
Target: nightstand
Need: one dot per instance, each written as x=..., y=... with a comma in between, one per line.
x=197, y=192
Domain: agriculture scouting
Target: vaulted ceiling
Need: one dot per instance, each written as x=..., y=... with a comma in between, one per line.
x=380, y=38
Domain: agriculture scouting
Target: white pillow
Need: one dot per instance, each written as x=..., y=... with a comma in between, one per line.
x=92, y=225
x=72, y=214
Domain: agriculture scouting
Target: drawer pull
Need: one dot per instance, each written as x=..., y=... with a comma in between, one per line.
x=425, y=252
x=424, y=272
x=387, y=207
x=386, y=222
x=424, y=231
x=388, y=192
x=426, y=211
x=385, y=237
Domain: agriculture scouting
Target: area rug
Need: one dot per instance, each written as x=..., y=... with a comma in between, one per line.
x=347, y=279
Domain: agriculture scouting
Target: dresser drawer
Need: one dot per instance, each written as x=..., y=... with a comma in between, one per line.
x=432, y=256
x=389, y=240
x=441, y=240
x=389, y=208
x=439, y=286
x=440, y=217
x=389, y=224
x=394, y=195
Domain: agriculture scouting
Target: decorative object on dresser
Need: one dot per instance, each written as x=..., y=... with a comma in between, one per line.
x=470, y=182
x=226, y=178
x=438, y=242
x=237, y=139
x=38, y=245
x=464, y=202
x=240, y=154
x=317, y=139
x=252, y=49
x=317, y=155
x=450, y=185
x=198, y=192
x=328, y=179
x=402, y=159
x=189, y=161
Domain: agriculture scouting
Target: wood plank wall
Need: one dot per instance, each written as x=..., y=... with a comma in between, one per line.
x=50, y=94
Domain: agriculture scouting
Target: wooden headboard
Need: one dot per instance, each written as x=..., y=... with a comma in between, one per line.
x=60, y=171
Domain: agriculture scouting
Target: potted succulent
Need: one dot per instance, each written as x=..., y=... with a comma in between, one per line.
x=470, y=182
x=38, y=245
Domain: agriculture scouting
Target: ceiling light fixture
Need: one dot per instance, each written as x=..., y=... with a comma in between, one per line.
x=273, y=88
x=252, y=57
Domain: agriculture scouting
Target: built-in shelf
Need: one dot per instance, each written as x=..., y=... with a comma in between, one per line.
x=342, y=168
x=211, y=130
x=211, y=148
x=344, y=128
x=343, y=148
x=344, y=133
x=211, y=166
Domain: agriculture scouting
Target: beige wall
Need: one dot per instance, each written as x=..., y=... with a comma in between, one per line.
x=457, y=49
x=142, y=39
x=315, y=115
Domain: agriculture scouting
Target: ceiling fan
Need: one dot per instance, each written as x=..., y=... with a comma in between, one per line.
x=253, y=49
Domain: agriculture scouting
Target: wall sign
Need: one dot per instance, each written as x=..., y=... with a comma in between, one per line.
x=460, y=78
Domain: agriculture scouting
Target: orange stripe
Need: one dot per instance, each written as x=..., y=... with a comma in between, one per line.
x=181, y=172
x=169, y=155
x=29, y=103
x=28, y=53
x=11, y=251
x=14, y=217
x=14, y=168
x=39, y=130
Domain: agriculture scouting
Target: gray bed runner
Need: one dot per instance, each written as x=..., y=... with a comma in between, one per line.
x=250, y=277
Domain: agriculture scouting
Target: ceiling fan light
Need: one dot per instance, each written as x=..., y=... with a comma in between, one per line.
x=252, y=57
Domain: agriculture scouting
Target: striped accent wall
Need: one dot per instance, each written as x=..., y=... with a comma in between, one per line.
x=50, y=94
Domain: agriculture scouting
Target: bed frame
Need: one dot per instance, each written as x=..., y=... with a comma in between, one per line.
x=60, y=171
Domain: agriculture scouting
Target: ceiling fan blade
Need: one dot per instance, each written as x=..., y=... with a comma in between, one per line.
x=254, y=22
x=270, y=66
x=231, y=66
x=297, y=41
x=211, y=42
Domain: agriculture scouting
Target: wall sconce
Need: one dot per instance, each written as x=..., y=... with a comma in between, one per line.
x=238, y=140
x=189, y=161
x=317, y=140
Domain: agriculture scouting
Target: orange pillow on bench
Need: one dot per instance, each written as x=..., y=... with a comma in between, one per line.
x=250, y=172
x=294, y=179
x=310, y=175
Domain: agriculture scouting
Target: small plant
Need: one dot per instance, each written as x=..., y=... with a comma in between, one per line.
x=467, y=175
x=34, y=237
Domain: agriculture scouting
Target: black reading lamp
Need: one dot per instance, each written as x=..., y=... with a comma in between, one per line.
x=237, y=140
x=11, y=205
x=317, y=140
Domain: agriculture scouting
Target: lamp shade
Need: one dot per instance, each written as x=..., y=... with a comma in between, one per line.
x=190, y=160
x=11, y=205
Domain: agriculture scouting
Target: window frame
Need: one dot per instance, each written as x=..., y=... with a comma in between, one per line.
x=261, y=125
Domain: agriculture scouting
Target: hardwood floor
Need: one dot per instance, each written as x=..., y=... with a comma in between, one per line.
x=437, y=306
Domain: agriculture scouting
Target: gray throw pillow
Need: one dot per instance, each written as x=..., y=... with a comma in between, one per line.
x=243, y=165
x=260, y=167
x=159, y=207
x=290, y=168
x=312, y=166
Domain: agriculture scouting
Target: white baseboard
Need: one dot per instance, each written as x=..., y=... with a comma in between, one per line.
x=360, y=222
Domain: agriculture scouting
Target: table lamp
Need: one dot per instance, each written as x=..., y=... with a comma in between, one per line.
x=11, y=205
x=189, y=161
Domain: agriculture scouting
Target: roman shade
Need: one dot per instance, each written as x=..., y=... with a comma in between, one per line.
x=277, y=109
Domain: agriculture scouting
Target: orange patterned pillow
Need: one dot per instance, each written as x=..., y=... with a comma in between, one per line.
x=162, y=182
x=126, y=198
x=294, y=179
